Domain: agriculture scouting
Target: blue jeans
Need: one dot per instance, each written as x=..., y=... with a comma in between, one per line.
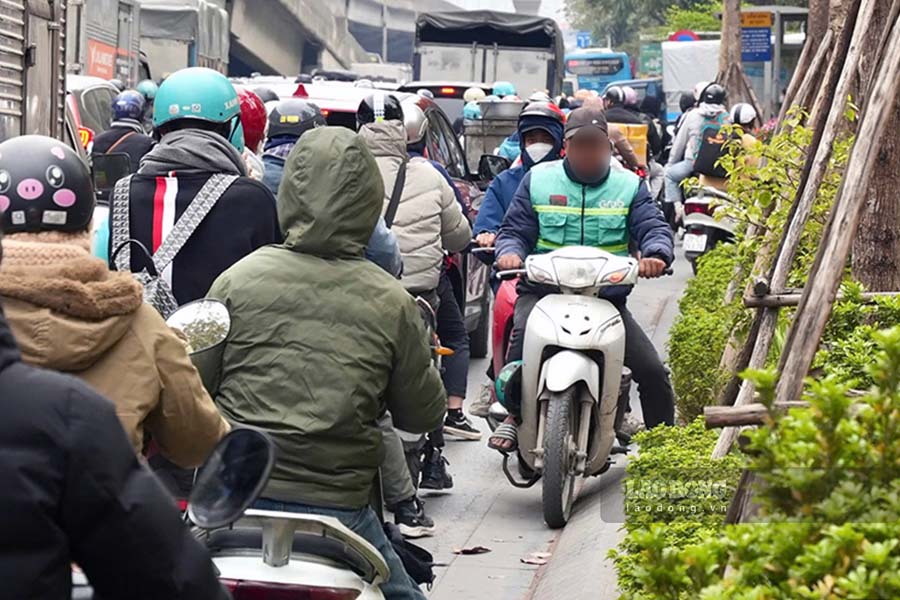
x=363, y=522
x=675, y=174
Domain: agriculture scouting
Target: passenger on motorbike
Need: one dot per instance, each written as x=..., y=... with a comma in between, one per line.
x=126, y=133
x=73, y=492
x=581, y=201
x=197, y=117
x=618, y=110
x=254, y=120
x=148, y=90
x=711, y=112
x=288, y=121
x=323, y=342
x=70, y=313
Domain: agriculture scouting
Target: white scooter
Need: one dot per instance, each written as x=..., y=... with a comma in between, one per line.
x=703, y=229
x=571, y=372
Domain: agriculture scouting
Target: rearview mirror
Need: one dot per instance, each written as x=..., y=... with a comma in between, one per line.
x=205, y=324
x=491, y=165
x=231, y=478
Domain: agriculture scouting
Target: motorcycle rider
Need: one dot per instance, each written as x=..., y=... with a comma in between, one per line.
x=254, y=119
x=541, y=131
x=429, y=220
x=74, y=492
x=126, y=133
x=197, y=118
x=323, y=342
x=710, y=112
x=71, y=314
x=288, y=121
x=148, y=89
x=621, y=107
x=587, y=193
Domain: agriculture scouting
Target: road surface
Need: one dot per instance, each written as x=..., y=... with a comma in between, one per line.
x=483, y=509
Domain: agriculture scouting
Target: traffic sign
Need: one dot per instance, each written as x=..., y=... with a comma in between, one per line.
x=684, y=35
x=756, y=19
x=756, y=44
x=583, y=39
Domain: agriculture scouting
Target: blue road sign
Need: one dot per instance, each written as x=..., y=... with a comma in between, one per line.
x=756, y=44
x=583, y=39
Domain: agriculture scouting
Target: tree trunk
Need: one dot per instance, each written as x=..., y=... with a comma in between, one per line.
x=817, y=21
x=876, y=247
x=730, y=50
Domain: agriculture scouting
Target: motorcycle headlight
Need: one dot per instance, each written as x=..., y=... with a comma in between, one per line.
x=578, y=273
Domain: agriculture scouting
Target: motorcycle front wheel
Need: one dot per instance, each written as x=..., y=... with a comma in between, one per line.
x=558, y=477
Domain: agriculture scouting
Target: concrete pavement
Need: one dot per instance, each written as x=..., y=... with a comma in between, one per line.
x=483, y=509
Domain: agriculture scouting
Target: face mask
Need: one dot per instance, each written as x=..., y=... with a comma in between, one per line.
x=539, y=151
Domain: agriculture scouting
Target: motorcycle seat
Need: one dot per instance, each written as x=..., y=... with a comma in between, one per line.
x=324, y=547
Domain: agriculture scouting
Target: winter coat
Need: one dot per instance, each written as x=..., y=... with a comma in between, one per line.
x=497, y=199
x=136, y=145
x=170, y=177
x=322, y=340
x=74, y=315
x=74, y=492
x=382, y=248
x=647, y=229
x=687, y=140
x=429, y=220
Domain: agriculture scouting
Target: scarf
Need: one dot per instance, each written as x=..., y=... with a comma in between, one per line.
x=193, y=150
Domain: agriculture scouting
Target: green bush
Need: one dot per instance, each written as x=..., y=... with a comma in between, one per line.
x=675, y=496
x=828, y=497
x=700, y=332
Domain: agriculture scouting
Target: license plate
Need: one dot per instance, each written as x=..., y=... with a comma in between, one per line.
x=694, y=242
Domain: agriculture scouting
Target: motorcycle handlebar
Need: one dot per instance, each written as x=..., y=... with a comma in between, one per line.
x=510, y=274
x=480, y=250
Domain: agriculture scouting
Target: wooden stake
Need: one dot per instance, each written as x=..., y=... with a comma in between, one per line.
x=819, y=295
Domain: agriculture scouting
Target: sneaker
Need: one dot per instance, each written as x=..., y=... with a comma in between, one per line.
x=460, y=427
x=435, y=475
x=410, y=517
x=631, y=425
x=482, y=406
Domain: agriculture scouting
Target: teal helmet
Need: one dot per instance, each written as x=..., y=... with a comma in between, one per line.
x=203, y=95
x=503, y=88
x=147, y=89
x=472, y=111
x=507, y=386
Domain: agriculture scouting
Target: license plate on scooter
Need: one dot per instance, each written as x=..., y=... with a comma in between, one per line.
x=695, y=242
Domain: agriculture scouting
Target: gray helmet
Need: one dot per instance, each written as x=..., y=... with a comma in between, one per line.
x=415, y=122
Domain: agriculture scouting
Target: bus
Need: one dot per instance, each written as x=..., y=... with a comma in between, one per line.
x=595, y=68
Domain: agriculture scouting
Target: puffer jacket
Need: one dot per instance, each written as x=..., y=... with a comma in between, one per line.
x=323, y=341
x=429, y=220
x=687, y=140
x=74, y=315
x=73, y=491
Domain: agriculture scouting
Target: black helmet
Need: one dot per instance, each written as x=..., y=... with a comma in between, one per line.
x=615, y=95
x=546, y=110
x=294, y=116
x=379, y=107
x=44, y=186
x=713, y=94
x=266, y=94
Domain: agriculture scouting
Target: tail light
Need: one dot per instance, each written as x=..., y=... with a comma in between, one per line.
x=694, y=207
x=257, y=590
x=448, y=91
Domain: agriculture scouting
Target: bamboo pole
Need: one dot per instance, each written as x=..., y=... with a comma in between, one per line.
x=821, y=290
x=814, y=172
x=793, y=299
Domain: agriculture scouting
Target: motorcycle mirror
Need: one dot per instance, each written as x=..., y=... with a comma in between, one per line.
x=205, y=324
x=231, y=478
x=490, y=165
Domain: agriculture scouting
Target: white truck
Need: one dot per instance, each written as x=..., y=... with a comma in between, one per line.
x=488, y=46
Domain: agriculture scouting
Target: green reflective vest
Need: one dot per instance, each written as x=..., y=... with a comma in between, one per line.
x=571, y=214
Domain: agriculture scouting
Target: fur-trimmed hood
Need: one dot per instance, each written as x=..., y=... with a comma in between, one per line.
x=68, y=314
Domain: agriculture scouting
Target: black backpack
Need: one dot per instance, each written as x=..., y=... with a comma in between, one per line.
x=712, y=147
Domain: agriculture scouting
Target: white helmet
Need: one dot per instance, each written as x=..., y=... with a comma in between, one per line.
x=743, y=114
x=540, y=96
x=698, y=90
x=474, y=94
x=415, y=122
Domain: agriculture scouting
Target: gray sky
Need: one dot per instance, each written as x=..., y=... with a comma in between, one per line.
x=549, y=8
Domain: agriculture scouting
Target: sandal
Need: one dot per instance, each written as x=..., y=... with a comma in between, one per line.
x=505, y=432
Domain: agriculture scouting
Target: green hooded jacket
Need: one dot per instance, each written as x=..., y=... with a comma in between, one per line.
x=322, y=340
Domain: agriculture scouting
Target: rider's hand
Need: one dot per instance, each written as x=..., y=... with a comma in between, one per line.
x=651, y=268
x=485, y=239
x=509, y=262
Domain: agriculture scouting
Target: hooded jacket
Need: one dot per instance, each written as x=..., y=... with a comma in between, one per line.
x=322, y=340
x=71, y=314
x=170, y=177
x=687, y=140
x=429, y=220
x=73, y=491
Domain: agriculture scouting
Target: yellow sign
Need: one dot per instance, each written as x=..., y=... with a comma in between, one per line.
x=756, y=19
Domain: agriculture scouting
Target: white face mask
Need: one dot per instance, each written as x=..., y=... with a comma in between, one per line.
x=539, y=151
